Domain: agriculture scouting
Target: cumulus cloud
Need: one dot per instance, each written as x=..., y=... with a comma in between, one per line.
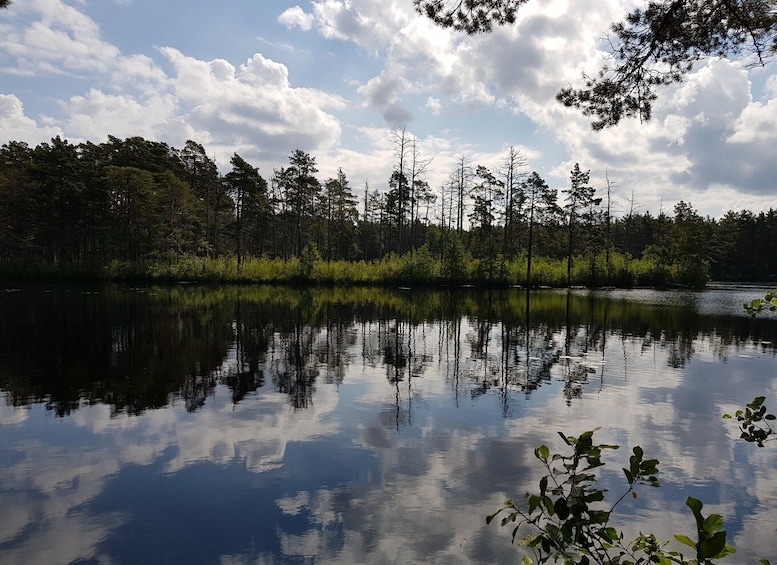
x=709, y=139
x=96, y=114
x=296, y=17
x=253, y=106
x=16, y=126
x=708, y=142
x=434, y=105
x=59, y=39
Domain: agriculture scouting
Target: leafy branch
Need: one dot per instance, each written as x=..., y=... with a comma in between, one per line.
x=469, y=16
x=652, y=47
x=759, y=305
x=754, y=422
x=567, y=524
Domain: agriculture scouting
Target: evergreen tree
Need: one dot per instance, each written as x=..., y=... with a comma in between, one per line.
x=300, y=191
x=513, y=198
x=179, y=216
x=249, y=193
x=201, y=174
x=341, y=216
x=17, y=202
x=397, y=207
x=60, y=208
x=542, y=205
x=134, y=224
x=580, y=201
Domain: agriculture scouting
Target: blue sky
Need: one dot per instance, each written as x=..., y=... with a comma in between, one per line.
x=332, y=77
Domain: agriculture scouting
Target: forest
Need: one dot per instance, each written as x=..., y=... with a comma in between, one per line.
x=135, y=208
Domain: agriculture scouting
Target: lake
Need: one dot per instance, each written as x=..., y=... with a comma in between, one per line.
x=236, y=425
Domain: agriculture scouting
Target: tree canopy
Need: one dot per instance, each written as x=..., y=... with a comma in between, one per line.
x=653, y=46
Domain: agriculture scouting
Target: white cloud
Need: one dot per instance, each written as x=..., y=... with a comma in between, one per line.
x=707, y=143
x=756, y=124
x=296, y=17
x=60, y=39
x=96, y=115
x=252, y=107
x=434, y=105
x=709, y=140
x=16, y=126
x=689, y=148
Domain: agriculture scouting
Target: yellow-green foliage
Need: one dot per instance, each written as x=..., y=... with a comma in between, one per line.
x=418, y=268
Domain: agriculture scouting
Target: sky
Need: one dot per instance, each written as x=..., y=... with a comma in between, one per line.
x=334, y=78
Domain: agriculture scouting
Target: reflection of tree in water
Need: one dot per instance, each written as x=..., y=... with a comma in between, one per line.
x=136, y=349
x=396, y=350
x=333, y=348
x=70, y=346
x=585, y=342
x=518, y=360
x=405, y=355
x=681, y=349
x=293, y=365
x=511, y=355
x=252, y=331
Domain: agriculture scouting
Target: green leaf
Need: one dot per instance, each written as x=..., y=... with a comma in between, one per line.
x=713, y=547
x=490, y=517
x=713, y=523
x=696, y=505
x=595, y=496
x=685, y=540
x=542, y=452
x=609, y=534
x=548, y=503
x=561, y=508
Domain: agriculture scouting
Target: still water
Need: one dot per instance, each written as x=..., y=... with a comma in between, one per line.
x=243, y=425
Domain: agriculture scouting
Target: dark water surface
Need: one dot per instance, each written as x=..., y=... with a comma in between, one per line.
x=246, y=425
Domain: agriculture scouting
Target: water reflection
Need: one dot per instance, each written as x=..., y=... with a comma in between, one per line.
x=246, y=425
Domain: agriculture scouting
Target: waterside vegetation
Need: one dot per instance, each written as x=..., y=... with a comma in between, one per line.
x=420, y=268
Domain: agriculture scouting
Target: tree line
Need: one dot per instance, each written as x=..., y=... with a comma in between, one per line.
x=136, y=201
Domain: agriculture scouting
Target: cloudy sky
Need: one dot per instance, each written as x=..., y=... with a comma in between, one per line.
x=332, y=77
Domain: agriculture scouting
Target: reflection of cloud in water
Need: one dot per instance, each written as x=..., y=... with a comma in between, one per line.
x=435, y=466
x=10, y=416
x=55, y=481
x=293, y=506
